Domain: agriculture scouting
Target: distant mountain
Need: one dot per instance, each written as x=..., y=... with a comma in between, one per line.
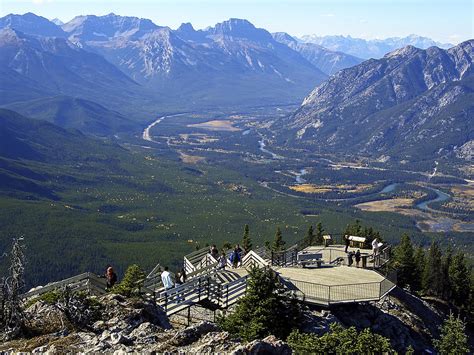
x=103, y=28
x=411, y=104
x=225, y=64
x=32, y=24
x=376, y=48
x=57, y=21
x=33, y=67
x=69, y=112
x=327, y=60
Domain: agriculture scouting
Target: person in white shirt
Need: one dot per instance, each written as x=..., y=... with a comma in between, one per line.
x=166, y=279
x=375, y=246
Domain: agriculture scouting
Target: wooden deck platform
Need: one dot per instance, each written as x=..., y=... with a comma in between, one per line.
x=335, y=284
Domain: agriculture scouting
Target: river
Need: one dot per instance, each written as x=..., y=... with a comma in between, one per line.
x=440, y=197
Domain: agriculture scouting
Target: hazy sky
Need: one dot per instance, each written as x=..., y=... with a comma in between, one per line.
x=446, y=21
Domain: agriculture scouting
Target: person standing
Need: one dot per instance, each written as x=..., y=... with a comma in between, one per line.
x=111, y=278
x=375, y=246
x=222, y=262
x=214, y=252
x=166, y=279
x=350, y=258
x=357, y=257
x=347, y=242
x=235, y=258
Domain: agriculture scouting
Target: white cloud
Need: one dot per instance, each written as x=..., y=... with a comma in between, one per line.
x=327, y=15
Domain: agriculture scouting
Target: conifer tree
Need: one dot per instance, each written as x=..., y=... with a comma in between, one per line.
x=432, y=274
x=278, y=242
x=445, y=265
x=319, y=233
x=404, y=261
x=246, y=241
x=459, y=276
x=419, y=259
x=453, y=337
x=309, y=239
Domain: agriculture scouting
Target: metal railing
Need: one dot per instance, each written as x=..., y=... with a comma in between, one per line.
x=331, y=294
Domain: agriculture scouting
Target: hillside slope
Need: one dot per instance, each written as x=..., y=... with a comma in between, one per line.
x=411, y=104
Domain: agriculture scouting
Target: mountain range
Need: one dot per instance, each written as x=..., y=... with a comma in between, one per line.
x=375, y=48
x=410, y=104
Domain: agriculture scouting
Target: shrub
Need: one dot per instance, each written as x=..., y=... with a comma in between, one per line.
x=453, y=337
x=132, y=282
x=339, y=340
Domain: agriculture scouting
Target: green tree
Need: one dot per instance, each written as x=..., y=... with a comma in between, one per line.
x=419, y=258
x=319, y=234
x=278, y=242
x=265, y=309
x=132, y=282
x=339, y=340
x=246, y=241
x=404, y=261
x=446, y=280
x=459, y=275
x=453, y=337
x=309, y=239
x=432, y=274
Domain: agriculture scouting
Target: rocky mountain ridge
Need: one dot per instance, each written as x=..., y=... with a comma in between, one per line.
x=328, y=61
x=394, y=105
x=375, y=48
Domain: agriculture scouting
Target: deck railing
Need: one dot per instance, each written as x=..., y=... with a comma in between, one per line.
x=331, y=294
x=87, y=281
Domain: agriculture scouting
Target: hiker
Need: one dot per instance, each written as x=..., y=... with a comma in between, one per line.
x=347, y=242
x=235, y=258
x=222, y=262
x=181, y=277
x=350, y=258
x=111, y=277
x=357, y=257
x=375, y=246
x=239, y=250
x=166, y=279
x=214, y=252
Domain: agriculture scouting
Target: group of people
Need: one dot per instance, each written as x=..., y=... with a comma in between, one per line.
x=180, y=278
x=167, y=278
x=357, y=255
x=235, y=257
x=351, y=255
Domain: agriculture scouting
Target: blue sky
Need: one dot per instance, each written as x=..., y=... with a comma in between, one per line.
x=446, y=21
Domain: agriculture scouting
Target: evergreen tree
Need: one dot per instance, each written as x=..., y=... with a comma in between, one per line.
x=246, y=241
x=132, y=282
x=453, y=337
x=432, y=274
x=319, y=234
x=405, y=262
x=459, y=275
x=309, y=239
x=419, y=258
x=265, y=309
x=278, y=242
x=445, y=265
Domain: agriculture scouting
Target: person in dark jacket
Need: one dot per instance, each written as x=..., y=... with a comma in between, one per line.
x=347, y=242
x=357, y=257
x=350, y=258
x=111, y=277
x=235, y=258
x=214, y=252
